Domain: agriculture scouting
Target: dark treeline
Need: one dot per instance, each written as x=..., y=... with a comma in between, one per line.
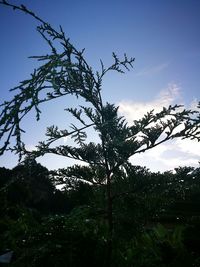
x=156, y=218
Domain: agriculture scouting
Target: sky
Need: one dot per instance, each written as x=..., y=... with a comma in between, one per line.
x=162, y=35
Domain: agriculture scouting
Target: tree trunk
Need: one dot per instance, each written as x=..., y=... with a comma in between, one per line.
x=110, y=223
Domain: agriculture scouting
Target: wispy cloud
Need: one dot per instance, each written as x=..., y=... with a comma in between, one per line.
x=31, y=147
x=65, y=139
x=169, y=155
x=191, y=147
x=153, y=70
x=175, y=162
x=194, y=104
x=135, y=110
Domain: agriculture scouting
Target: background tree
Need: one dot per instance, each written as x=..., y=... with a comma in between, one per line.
x=65, y=72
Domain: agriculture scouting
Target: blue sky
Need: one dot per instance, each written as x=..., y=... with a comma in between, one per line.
x=163, y=36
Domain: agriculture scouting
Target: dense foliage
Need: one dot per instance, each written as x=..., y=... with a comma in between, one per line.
x=99, y=216
x=156, y=221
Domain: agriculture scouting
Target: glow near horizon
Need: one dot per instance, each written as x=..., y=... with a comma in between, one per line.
x=165, y=72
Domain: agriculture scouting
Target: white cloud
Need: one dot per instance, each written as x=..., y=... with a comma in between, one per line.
x=191, y=147
x=165, y=157
x=153, y=70
x=175, y=162
x=31, y=147
x=65, y=139
x=136, y=110
x=158, y=151
x=194, y=104
x=171, y=154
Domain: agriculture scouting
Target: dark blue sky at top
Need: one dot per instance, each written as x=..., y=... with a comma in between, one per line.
x=154, y=32
x=163, y=36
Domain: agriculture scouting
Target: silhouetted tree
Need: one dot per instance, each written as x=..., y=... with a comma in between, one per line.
x=65, y=72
